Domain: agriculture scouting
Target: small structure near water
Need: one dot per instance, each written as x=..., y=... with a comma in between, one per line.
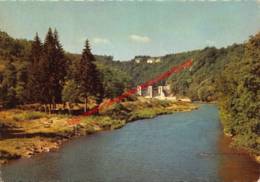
x=161, y=93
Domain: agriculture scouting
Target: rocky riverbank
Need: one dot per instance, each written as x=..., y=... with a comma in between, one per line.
x=25, y=133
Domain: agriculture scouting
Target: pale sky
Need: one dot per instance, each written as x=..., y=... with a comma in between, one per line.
x=127, y=29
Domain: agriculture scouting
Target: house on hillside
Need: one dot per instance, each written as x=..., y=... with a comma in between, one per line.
x=153, y=60
x=137, y=61
x=150, y=60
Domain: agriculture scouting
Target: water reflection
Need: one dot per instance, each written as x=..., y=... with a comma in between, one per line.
x=235, y=166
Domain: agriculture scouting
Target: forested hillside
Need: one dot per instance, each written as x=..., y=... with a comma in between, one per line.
x=229, y=76
x=199, y=82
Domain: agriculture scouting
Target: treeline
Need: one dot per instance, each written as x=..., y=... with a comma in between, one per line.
x=47, y=75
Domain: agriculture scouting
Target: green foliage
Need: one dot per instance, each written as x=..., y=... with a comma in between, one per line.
x=118, y=111
x=13, y=49
x=114, y=81
x=9, y=76
x=70, y=92
x=8, y=86
x=207, y=93
x=21, y=77
x=240, y=104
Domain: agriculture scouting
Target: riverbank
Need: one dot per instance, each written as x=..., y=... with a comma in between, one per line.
x=26, y=133
x=237, y=142
x=241, y=140
x=247, y=150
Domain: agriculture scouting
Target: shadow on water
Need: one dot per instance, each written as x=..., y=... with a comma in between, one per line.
x=235, y=166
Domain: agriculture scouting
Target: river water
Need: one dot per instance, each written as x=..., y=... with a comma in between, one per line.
x=181, y=147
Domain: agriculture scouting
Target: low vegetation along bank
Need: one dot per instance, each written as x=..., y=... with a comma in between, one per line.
x=26, y=133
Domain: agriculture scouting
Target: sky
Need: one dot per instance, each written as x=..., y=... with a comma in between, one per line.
x=126, y=29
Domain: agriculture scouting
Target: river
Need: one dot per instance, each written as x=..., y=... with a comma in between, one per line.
x=181, y=147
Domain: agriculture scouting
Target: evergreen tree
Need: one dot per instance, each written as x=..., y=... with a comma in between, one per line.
x=52, y=70
x=47, y=65
x=34, y=82
x=89, y=77
x=60, y=67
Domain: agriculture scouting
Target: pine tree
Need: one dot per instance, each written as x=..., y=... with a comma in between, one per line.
x=61, y=67
x=89, y=77
x=47, y=65
x=34, y=82
x=52, y=70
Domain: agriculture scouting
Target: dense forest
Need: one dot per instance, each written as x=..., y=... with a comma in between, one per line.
x=36, y=72
x=32, y=71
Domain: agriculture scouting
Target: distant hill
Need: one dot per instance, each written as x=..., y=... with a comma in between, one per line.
x=197, y=83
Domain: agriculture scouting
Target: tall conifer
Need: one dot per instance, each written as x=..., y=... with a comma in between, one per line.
x=60, y=66
x=33, y=84
x=89, y=77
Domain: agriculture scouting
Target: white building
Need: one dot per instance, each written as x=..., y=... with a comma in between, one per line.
x=153, y=60
x=137, y=60
x=150, y=61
